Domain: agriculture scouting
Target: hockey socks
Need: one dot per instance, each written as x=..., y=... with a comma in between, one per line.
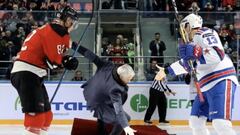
x=48, y=120
x=37, y=123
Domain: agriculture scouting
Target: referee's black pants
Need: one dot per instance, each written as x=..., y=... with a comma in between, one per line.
x=156, y=98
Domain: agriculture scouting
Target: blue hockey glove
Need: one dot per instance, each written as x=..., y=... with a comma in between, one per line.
x=186, y=66
x=190, y=52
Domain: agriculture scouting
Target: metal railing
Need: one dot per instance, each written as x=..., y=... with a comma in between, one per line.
x=144, y=19
x=140, y=66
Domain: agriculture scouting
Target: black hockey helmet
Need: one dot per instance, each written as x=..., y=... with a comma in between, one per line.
x=67, y=11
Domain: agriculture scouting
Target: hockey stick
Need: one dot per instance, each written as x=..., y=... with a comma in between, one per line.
x=190, y=63
x=79, y=41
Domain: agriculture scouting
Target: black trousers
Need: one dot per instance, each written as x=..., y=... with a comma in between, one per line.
x=156, y=98
x=101, y=127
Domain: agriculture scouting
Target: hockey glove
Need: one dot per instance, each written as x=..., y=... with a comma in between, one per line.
x=69, y=62
x=187, y=79
x=186, y=66
x=190, y=52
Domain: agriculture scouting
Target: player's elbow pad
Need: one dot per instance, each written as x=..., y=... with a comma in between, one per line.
x=69, y=62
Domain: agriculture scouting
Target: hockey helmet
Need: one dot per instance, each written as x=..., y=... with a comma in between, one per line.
x=195, y=21
x=67, y=11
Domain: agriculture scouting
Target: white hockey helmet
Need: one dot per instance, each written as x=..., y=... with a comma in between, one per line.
x=195, y=21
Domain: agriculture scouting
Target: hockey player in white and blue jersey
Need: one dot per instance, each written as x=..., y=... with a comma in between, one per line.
x=216, y=77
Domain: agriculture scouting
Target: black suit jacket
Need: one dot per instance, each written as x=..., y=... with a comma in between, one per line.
x=104, y=92
x=153, y=48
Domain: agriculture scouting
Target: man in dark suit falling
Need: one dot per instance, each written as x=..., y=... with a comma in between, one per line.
x=106, y=92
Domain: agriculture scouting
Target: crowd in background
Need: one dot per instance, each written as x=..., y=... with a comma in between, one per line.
x=185, y=5
x=32, y=5
x=166, y=5
x=120, y=51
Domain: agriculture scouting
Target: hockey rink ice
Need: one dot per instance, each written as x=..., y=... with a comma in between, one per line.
x=66, y=130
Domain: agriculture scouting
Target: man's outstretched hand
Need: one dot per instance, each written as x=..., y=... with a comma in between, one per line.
x=129, y=131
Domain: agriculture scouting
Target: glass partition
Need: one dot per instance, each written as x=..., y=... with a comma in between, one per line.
x=130, y=30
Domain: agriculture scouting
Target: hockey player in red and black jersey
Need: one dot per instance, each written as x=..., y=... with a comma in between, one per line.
x=43, y=48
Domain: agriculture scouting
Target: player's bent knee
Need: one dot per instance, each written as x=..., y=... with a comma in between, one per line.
x=197, y=122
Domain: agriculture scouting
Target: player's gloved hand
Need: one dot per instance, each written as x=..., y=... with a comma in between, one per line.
x=69, y=62
x=129, y=131
x=190, y=52
x=186, y=66
x=161, y=73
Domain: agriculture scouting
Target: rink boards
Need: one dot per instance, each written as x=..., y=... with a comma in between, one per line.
x=70, y=103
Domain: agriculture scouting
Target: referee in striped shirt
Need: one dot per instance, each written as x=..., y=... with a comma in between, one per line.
x=158, y=98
